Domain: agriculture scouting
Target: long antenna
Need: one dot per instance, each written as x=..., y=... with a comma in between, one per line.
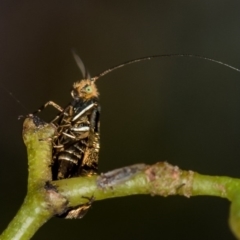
x=11, y=94
x=160, y=56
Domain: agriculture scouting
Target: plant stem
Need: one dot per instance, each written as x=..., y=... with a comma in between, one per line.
x=46, y=198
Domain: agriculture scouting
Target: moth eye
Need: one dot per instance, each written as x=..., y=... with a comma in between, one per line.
x=88, y=89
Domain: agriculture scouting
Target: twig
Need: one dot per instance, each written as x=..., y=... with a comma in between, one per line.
x=46, y=198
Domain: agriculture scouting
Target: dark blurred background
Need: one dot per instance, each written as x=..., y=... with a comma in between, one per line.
x=182, y=110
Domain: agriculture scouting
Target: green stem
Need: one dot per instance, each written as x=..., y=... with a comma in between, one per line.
x=31, y=216
x=46, y=199
x=159, y=179
x=224, y=187
x=38, y=140
x=35, y=209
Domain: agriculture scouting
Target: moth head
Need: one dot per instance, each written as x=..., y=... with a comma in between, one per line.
x=84, y=89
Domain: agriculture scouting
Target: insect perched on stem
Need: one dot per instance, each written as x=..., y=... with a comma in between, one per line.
x=76, y=145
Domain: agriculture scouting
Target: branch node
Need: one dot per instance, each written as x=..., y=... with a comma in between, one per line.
x=167, y=179
x=57, y=203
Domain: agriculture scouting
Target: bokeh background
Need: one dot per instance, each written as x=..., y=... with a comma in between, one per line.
x=182, y=110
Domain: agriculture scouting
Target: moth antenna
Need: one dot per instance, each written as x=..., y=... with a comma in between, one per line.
x=160, y=56
x=11, y=94
x=88, y=75
x=80, y=65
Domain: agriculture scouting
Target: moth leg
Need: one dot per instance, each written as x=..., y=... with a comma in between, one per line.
x=57, y=145
x=62, y=112
x=49, y=103
x=69, y=135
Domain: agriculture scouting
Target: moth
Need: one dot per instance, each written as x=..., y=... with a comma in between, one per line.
x=77, y=143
